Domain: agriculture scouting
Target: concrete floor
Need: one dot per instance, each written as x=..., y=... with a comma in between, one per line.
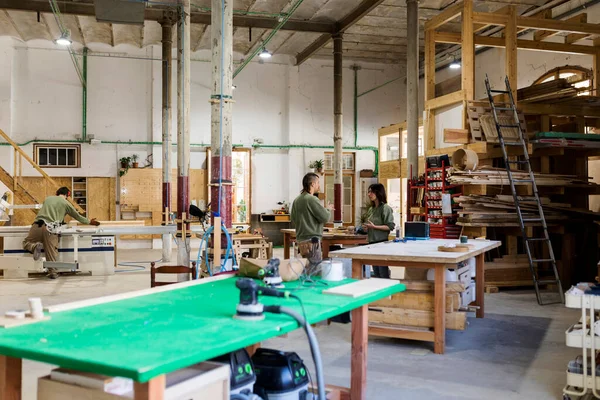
x=517, y=352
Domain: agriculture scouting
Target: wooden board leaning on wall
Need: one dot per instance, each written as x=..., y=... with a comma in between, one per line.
x=141, y=195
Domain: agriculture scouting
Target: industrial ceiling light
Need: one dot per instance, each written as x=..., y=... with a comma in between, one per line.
x=64, y=39
x=454, y=64
x=265, y=54
x=233, y=87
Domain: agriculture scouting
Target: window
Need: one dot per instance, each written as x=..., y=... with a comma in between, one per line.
x=347, y=162
x=57, y=156
x=241, y=185
x=240, y=198
x=347, y=196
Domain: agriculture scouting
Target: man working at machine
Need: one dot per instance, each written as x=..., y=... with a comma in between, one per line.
x=309, y=216
x=53, y=212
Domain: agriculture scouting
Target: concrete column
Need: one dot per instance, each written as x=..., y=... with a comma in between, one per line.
x=337, y=129
x=221, y=109
x=412, y=87
x=183, y=131
x=167, y=59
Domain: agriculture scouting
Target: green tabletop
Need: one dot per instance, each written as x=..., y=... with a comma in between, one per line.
x=143, y=337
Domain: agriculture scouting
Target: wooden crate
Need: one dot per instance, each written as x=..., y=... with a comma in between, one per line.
x=476, y=109
x=459, y=136
x=417, y=300
x=418, y=318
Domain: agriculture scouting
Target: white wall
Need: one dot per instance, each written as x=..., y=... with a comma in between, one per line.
x=41, y=98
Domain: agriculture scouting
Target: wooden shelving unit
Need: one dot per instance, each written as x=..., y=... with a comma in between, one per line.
x=441, y=226
x=79, y=191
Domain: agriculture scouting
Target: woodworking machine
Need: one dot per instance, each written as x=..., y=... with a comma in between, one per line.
x=81, y=249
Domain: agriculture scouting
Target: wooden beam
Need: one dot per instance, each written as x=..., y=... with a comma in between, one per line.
x=510, y=40
x=490, y=18
x=468, y=57
x=339, y=27
x=555, y=109
x=455, y=38
x=541, y=35
x=479, y=27
x=37, y=167
x=430, y=87
x=446, y=100
x=448, y=14
x=559, y=26
x=575, y=37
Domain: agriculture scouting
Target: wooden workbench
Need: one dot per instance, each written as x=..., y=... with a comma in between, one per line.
x=147, y=334
x=329, y=238
x=422, y=254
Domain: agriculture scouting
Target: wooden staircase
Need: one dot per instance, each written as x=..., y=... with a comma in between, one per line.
x=20, y=153
x=21, y=195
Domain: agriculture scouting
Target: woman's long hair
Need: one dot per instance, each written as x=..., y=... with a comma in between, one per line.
x=379, y=190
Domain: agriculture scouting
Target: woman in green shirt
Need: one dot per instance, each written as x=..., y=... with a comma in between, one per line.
x=380, y=221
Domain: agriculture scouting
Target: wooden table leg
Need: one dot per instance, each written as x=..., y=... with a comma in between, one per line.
x=439, y=324
x=286, y=246
x=360, y=340
x=479, y=285
x=325, y=248
x=154, y=389
x=10, y=378
x=357, y=269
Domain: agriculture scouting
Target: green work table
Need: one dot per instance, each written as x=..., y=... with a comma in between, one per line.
x=160, y=331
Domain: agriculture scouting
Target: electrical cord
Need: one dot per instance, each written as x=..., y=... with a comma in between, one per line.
x=134, y=264
x=312, y=340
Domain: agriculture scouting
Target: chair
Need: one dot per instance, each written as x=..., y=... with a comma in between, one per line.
x=170, y=269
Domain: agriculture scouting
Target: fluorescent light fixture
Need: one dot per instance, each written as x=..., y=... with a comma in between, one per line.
x=265, y=54
x=454, y=64
x=64, y=39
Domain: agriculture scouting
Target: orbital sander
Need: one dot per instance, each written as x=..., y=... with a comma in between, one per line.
x=249, y=308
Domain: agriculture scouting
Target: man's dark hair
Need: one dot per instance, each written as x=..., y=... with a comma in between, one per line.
x=308, y=180
x=64, y=191
x=379, y=190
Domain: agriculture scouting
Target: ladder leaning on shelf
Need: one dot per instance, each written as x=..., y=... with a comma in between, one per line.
x=544, y=240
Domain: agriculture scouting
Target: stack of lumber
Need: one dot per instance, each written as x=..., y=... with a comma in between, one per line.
x=508, y=271
x=555, y=89
x=413, y=309
x=500, y=211
x=499, y=176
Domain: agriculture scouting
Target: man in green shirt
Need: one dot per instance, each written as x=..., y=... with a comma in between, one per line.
x=53, y=211
x=309, y=216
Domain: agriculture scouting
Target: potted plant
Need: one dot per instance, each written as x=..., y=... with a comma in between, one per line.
x=125, y=162
x=134, y=161
x=319, y=166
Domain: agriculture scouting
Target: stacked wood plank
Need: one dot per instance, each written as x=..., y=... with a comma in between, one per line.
x=555, y=89
x=508, y=271
x=500, y=211
x=499, y=176
x=413, y=308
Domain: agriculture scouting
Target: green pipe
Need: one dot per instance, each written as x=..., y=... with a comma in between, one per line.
x=268, y=39
x=84, y=99
x=310, y=146
x=380, y=86
x=256, y=146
